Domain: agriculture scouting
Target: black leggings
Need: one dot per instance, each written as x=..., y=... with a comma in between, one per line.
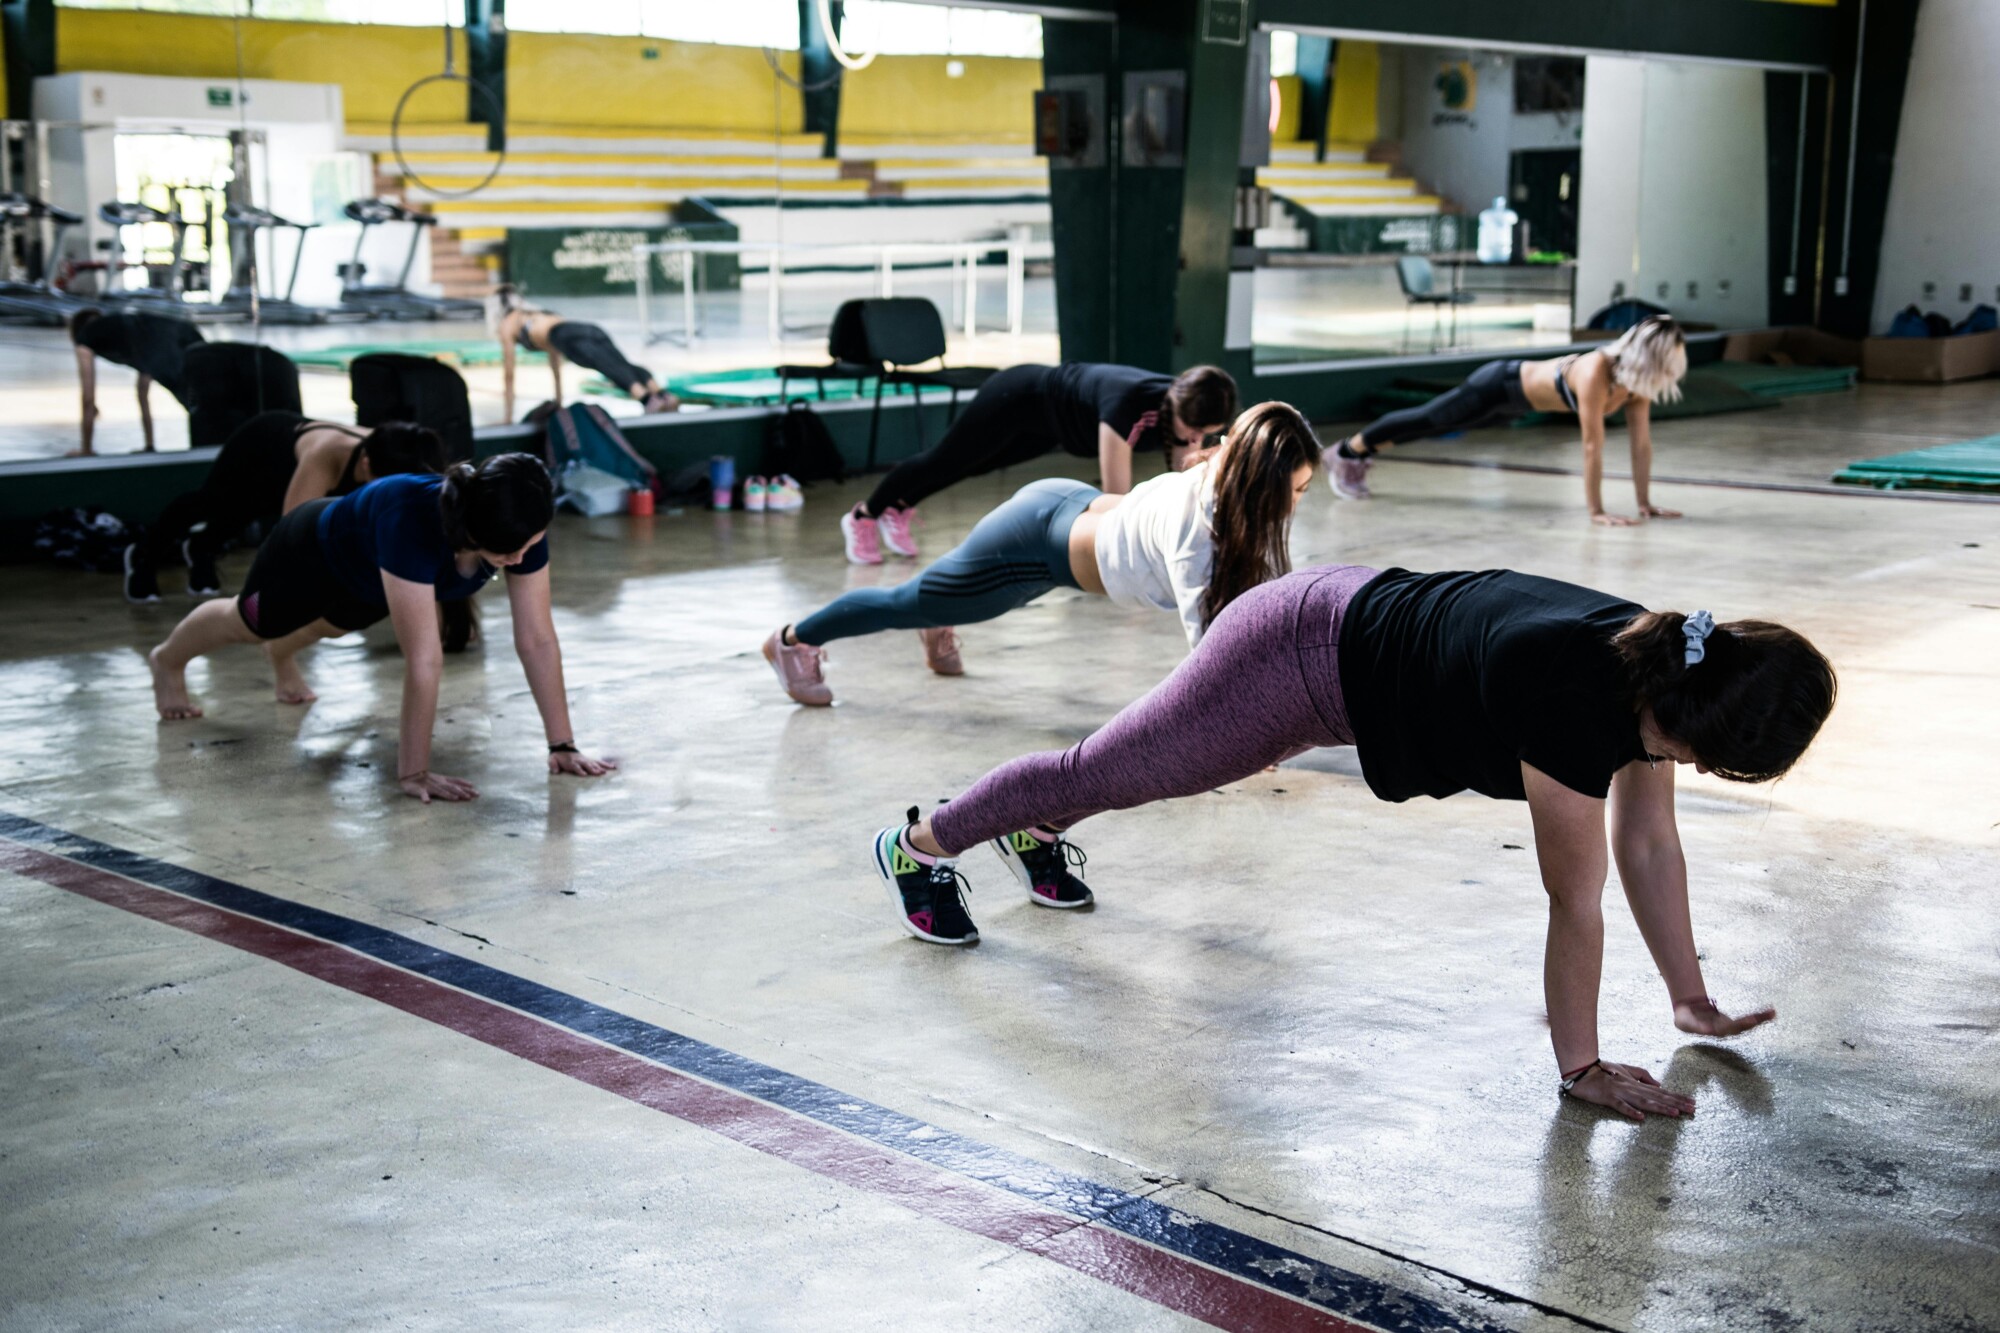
x=592, y=348
x=246, y=483
x=290, y=584
x=1492, y=392
x=1007, y=422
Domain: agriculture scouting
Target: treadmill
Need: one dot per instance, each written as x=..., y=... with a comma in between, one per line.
x=38, y=300
x=395, y=300
x=245, y=221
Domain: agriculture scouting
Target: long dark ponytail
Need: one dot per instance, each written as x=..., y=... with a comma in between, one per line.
x=1748, y=709
x=498, y=504
x=1253, y=501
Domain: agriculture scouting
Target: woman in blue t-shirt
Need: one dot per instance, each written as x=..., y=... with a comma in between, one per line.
x=394, y=549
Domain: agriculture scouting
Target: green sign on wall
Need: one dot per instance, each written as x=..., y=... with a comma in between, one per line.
x=1225, y=22
x=598, y=261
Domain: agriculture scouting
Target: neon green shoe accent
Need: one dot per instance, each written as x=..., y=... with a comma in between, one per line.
x=1023, y=842
x=901, y=862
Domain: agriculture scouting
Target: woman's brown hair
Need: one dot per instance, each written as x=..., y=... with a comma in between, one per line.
x=1748, y=709
x=1201, y=396
x=1253, y=501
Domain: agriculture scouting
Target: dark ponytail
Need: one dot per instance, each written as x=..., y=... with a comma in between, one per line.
x=1748, y=709
x=402, y=446
x=498, y=505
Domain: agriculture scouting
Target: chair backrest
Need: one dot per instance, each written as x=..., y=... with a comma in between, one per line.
x=1415, y=274
x=228, y=383
x=846, y=339
x=902, y=330
x=392, y=386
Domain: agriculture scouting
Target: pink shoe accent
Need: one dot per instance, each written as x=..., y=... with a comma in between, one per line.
x=1047, y=891
x=864, y=539
x=798, y=669
x=922, y=921
x=1348, y=476
x=894, y=526
x=941, y=650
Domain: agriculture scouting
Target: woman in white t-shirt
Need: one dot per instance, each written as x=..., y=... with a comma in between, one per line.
x=1189, y=542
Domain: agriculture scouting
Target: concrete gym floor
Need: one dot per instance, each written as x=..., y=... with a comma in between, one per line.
x=1298, y=1047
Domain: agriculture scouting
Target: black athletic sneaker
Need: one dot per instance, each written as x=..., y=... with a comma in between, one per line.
x=142, y=581
x=1044, y=869
x=203, y=579
x=929, y=899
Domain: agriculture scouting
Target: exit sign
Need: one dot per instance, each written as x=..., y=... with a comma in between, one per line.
x=1226, y=22
x=222, y=97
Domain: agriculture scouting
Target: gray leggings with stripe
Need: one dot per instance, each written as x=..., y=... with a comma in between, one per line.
x=1011, y=557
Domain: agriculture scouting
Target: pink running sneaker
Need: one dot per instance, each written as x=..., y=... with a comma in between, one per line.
x=1349, y=476
x=782, y=494
x=798, y=668
x=896, y=535
x=941, y=650
x=755, y=494
x=864, y=539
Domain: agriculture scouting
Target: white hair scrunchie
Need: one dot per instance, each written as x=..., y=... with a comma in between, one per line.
x=1697, y=628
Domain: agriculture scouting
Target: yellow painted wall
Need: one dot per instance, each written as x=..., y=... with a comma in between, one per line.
x=1289, y=97
x=1357, y=77
x=913, y=97
x=580, y=79
x=372, y=64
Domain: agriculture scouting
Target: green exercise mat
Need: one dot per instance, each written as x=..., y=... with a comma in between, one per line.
x=1779, y=381
x=1969, y=465
x=457, y=351
x=757, y=387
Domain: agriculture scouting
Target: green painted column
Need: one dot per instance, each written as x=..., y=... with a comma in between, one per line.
x=1219, y=57
x=486, y=62
x=28, y=28
x=820, y=73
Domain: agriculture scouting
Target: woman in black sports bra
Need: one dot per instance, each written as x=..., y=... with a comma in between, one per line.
x=520, y=326
x=1642, y=366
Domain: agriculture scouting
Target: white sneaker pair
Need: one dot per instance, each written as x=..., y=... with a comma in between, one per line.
x=779, y=494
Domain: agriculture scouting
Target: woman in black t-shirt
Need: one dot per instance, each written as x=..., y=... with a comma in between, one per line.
x=154, y=345
x=1096, y=411
x=1518, y=687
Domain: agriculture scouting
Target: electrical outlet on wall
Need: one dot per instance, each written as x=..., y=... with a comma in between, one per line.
x=1694, y=290
x=1792, y=284
x=1722, y=288
x=1840, y=285
x=1665, y=289
x=1965, y=292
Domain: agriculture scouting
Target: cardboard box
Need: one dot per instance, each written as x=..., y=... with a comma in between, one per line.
x=1966, y=356
x=1794, y=345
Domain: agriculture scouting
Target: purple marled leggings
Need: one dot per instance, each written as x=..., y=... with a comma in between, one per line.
x=1264, y=684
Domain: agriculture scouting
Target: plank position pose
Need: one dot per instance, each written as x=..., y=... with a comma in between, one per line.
x=1642, y=366
x=1104, y=412
x=154, y=345
x=393, y=549
x=1189, y=541
x=272, y=464
x=519, y=325
x=1513, y=686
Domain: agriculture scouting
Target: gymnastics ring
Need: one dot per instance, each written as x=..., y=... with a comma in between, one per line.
x=396, y=133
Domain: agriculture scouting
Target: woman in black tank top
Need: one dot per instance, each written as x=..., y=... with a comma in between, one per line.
x=520, y=326
x=1642, y=366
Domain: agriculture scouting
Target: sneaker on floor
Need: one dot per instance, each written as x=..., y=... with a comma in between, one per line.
x=895, y=528
x=1349, y=476
x=941, y=650
x=756, y=494
x=203, y=580
x=798, y=668
x=142, y=581
x=783, y=494
x=929, y=899
x=1044, y=869
x=864, y=538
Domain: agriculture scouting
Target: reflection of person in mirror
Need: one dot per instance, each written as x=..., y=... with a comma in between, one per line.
x=1190, y=541
x=1578, y=703
x=1644, y=365
x=520, y=326
x=1084, y=409
x=154, y=345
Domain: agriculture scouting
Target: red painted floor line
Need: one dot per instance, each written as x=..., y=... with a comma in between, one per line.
x=1166, y=1279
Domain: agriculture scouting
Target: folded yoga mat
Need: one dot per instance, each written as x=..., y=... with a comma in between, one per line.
x=1969, y=465
x=456, y=351
x=1779, y=381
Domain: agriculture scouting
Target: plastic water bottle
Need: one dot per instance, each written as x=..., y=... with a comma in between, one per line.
x=1496, y=232
x=722, y=481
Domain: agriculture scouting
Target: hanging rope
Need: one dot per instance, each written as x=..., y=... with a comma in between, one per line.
x=472, y=85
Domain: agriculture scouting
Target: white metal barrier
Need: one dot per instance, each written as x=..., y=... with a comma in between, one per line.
x=964, y=255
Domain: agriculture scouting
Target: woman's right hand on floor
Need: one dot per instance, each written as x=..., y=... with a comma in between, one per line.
x=428, y=787
x=1604, y=520
x=1630, y=1091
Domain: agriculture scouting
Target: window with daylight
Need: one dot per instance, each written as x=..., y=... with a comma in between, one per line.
x=888, y=27
x=773, y=23
x=1284, y=53
x=400, y=12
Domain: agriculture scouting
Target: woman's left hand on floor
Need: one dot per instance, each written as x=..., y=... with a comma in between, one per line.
x=1703, y=1018
x=580, y=765
x=1654, y=511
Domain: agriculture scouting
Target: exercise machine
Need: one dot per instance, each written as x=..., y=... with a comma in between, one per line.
x=120, y=214
x=395, y=300
x=244, y=222
x=37, y=299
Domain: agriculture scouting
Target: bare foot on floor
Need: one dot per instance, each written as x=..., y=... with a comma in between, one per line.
x=295, y=690
x=170, y=690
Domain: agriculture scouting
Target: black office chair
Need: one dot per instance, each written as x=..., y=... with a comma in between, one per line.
x=907, y=331
x=1419, y=282
x=393, y=386
x=229, y=382
x=847, y=344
